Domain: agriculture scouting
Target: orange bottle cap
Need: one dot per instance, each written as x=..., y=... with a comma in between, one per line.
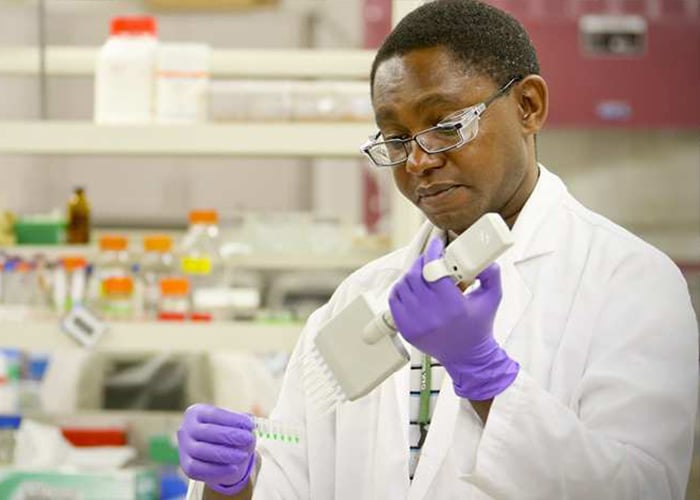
x=204, y=217
x=118, y=285
x=157, y=243
x=113, y=242
x=174, y=286
x=24, y=266
x=73, y=262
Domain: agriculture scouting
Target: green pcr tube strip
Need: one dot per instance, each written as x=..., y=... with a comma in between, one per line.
x=277, y=431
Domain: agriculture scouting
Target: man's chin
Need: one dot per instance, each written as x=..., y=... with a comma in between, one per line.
x=454, y=222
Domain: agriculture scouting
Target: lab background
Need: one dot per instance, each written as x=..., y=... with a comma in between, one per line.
x=266, y=152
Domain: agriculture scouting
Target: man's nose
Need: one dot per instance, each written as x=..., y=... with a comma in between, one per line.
x=418, y=161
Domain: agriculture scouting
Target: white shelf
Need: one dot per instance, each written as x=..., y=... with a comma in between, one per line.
x=325, y=140
x=263, y=262
x=154, y=336
x=225, y=63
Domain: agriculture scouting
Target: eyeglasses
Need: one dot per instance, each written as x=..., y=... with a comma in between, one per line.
x=454, y=131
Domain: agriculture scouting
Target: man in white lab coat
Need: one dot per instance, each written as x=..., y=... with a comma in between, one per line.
x=571, y=373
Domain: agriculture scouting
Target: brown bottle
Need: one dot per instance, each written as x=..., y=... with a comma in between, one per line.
x=78, y=230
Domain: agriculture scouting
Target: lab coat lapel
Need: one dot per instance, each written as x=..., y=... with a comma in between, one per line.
x=533, y=239
x=530, y=244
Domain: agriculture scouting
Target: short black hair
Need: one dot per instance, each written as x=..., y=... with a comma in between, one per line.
x=480, y=36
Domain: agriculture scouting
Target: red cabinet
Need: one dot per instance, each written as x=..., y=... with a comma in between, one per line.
x=632, y=63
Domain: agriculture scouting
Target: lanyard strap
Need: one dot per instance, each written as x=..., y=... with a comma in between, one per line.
x=424, y=403
x=425, y=388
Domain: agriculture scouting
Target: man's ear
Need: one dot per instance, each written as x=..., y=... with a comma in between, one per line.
x=533, y=103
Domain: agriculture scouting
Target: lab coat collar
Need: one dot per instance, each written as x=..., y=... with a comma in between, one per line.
x=531, y=241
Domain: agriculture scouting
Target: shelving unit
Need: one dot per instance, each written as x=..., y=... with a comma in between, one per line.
x=255, y=261
x=292, y=139
x=154, y=336
x=330, y=140
x=225, y=63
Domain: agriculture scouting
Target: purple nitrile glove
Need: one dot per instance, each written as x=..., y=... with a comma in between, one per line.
x=217, y=446
x=456, y=329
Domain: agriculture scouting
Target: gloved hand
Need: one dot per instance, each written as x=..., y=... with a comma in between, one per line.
x=217, y=447
x=455, y=329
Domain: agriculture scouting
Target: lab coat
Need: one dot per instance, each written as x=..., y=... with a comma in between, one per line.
x=603, y=406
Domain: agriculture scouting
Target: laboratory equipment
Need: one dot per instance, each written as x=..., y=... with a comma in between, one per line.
x=156, y=263
x=69, y=283
x=9, y=425
x=277, y=430
x=111, y=261
x=78, y=228
x=182, y=82
x=174, y=302
x=330, y=370
x=117, y=302
x=202, y=264
x=125, y=73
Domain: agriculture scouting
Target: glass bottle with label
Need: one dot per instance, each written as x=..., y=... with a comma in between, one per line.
x=117, y=302
x=174, y=303
x=202, y=264
x=111, y=261
x=78, y=230
x=156, y=263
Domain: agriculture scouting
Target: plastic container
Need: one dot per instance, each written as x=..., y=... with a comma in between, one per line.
x=352, y=101
x=20, y=287
x=9, y=425
x=40, y=230
x=30, y=387
x=174, y=303
x=10, y=371
x=182, y=82
x=156, y=263
x=250, y=100
x=95, y=436
x=125, y=73
x=313, y=101
x=202, y=264
x=78, y=229
x=117, y=303
x=70, y=283
x=112, y=261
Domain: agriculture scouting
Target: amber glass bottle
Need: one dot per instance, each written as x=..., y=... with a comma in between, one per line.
x=78, y=218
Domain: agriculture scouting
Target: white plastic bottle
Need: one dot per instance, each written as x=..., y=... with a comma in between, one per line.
x=182, y=83
x=125, y=73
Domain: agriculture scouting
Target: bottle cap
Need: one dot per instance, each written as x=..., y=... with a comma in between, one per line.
x=133, y=25
x=73, y=262
x=174, y=286
x=118, y=285
x=157, y=243
x=204, y=217
x=113, y=242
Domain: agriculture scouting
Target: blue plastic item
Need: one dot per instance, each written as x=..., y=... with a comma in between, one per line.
x=11, y=422
x=172, y=485
x=37, y=366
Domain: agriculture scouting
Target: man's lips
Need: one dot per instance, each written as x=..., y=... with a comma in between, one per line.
x=433, y=190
